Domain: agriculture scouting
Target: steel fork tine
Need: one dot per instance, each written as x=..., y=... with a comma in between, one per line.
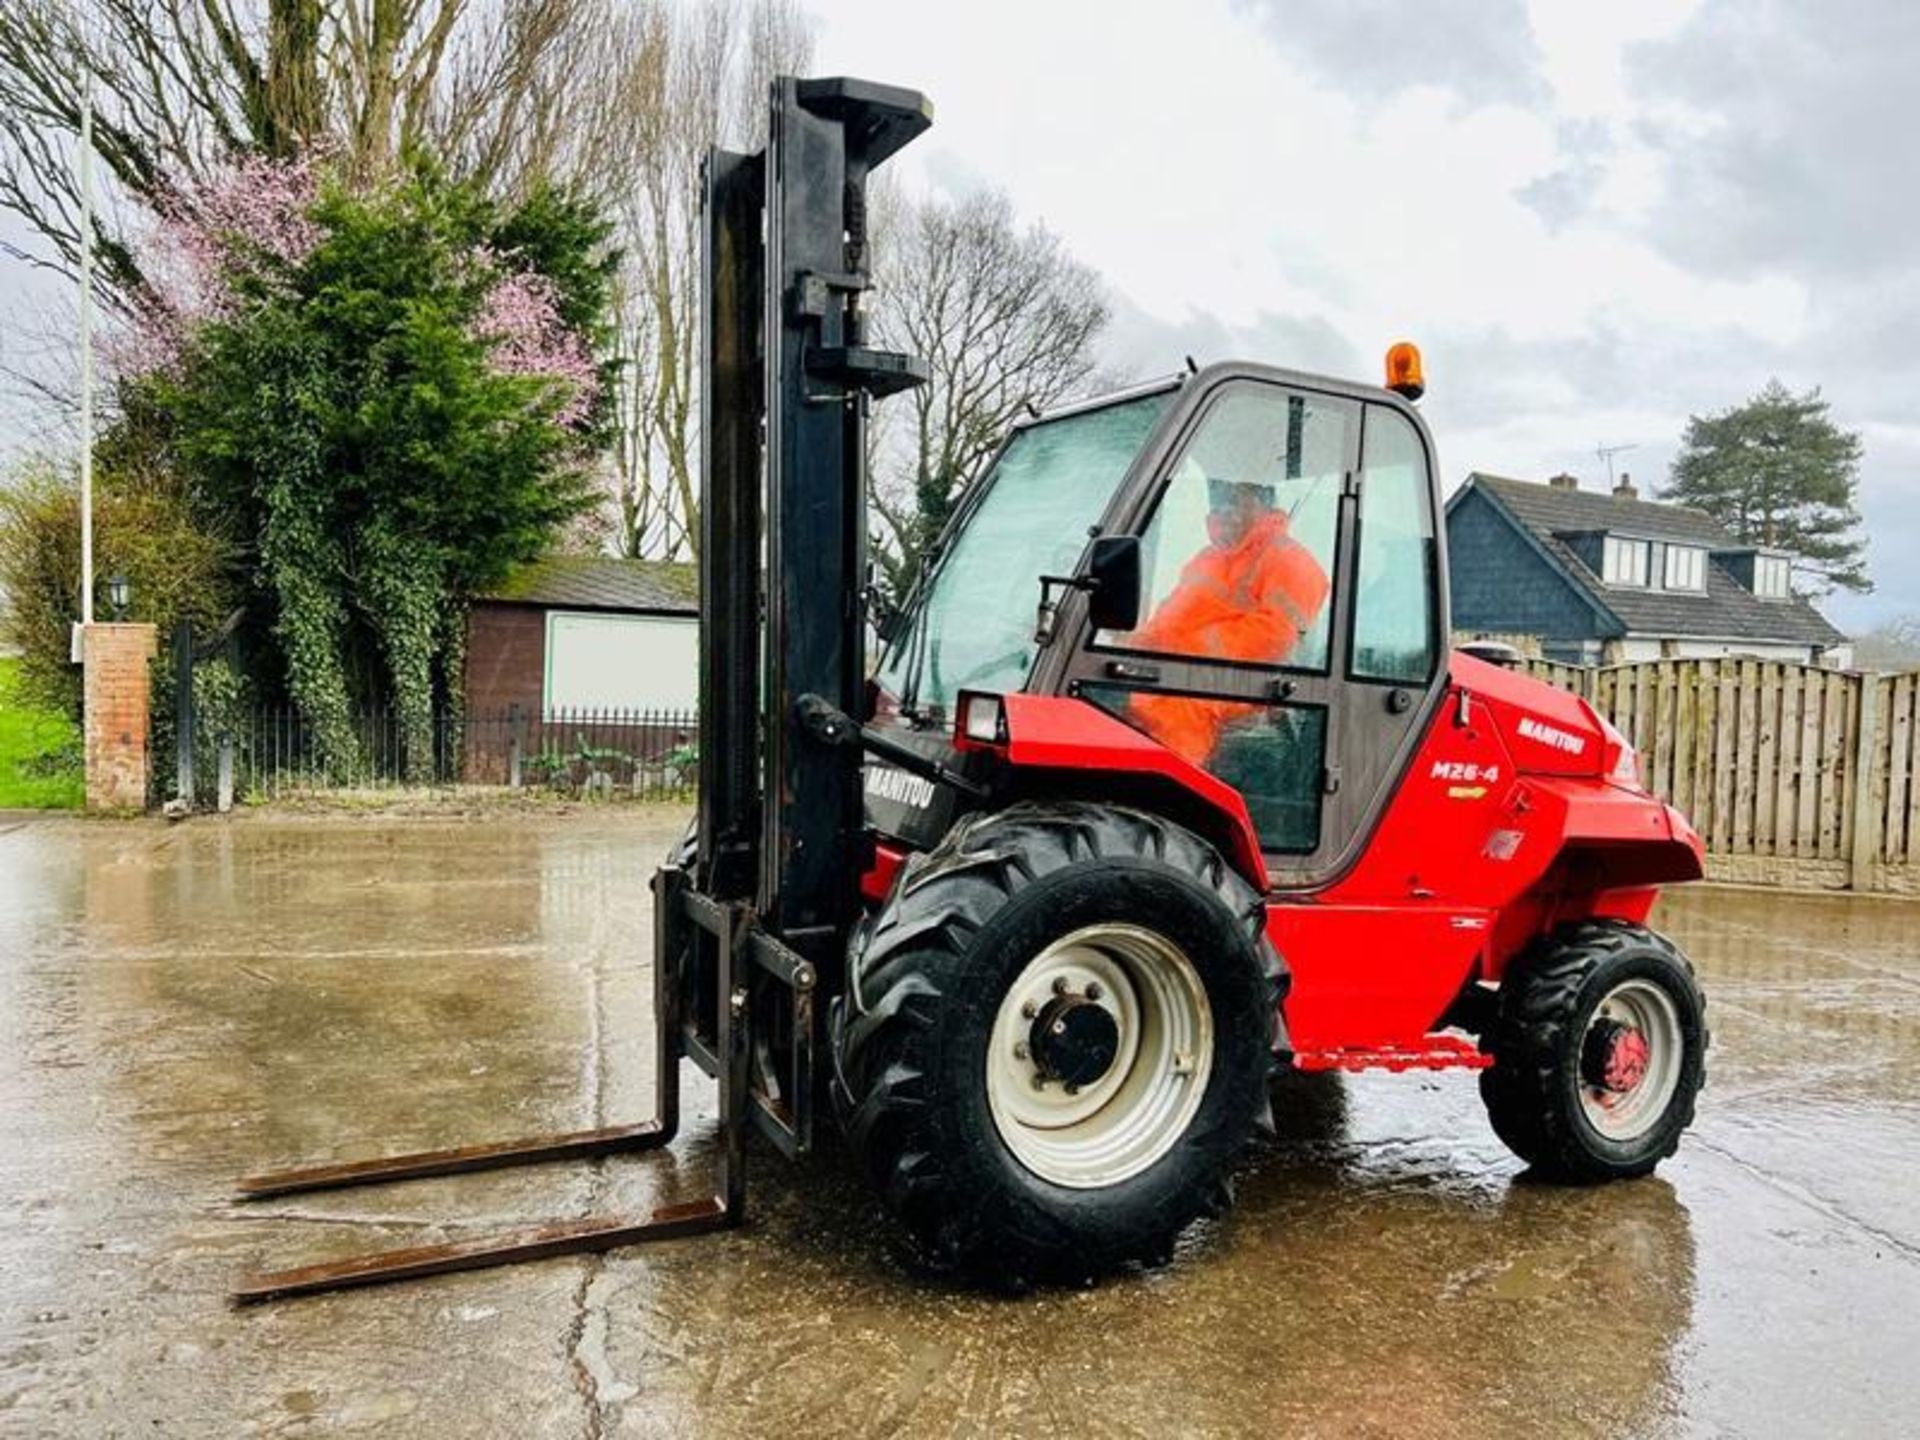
x=498, y=1155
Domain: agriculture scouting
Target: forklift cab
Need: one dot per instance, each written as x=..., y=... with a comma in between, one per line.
x=1307, y=698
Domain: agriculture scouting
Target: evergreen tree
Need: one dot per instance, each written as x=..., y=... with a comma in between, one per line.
x=382, y=397
x=1781, y=475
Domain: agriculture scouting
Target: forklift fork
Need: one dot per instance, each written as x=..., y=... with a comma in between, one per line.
x=733, y=938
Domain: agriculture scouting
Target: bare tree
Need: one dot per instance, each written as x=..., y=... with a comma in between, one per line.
x=1007, y=320
x=681, y=78
x=183, y=85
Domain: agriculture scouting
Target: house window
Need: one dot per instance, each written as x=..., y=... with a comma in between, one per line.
x=1625, y=562
x=1770, y=577
x=1686, y=567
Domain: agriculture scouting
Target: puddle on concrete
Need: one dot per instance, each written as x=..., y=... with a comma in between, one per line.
x=179, y=1005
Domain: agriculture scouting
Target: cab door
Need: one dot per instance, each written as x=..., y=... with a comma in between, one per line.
x=1304, y=694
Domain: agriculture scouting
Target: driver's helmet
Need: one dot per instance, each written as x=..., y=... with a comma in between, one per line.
x=1221, y=493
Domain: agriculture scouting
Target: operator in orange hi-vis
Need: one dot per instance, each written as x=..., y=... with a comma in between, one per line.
x=1248, y=596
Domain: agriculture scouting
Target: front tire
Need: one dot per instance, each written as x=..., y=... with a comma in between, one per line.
x=1598, y=1053
x=1056, y=1039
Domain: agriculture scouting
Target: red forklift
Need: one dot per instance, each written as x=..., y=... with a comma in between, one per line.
x=1165, y=779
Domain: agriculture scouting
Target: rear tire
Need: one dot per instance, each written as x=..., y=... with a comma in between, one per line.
x=1598, y=1053
x=1139, y=940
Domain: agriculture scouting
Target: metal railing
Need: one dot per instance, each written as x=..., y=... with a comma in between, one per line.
x=589, y=753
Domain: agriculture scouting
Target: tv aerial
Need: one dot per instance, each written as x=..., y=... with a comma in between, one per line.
x=1606, y=454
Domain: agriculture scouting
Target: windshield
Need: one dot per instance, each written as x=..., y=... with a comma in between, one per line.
x=973, y=626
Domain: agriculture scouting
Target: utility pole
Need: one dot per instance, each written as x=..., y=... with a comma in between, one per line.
x=86, y=325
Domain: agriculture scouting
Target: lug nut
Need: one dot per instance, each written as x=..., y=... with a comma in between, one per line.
x=1073, y=1089
x=1060, y=986
x=1020, y=1050
x=1029, y=1010
x=1094, y=992
x=1039, y=1081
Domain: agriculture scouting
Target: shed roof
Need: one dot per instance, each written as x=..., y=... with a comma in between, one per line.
x=1726, y=610
x=601, y=582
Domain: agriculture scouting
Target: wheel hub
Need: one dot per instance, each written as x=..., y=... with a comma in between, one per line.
x=1074, y=1040
x=1616, y=1057
x=1100, y=1055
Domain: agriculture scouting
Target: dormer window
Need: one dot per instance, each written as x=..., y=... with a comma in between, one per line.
x=1624, y=562
x=1771, y=577
x=1686, y=567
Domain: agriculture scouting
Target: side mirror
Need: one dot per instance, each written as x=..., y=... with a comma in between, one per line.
x=1113, y=582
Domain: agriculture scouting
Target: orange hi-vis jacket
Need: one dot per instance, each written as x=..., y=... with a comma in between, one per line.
x=1249, y=601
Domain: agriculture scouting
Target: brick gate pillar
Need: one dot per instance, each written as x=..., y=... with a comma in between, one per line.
x=115, y=659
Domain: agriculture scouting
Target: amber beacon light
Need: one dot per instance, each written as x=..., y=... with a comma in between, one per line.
x=1404, y=375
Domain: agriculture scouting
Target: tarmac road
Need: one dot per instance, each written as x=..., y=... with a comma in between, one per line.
x=181, y=1005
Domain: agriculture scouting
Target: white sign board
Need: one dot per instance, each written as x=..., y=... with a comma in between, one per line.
x=622, y=662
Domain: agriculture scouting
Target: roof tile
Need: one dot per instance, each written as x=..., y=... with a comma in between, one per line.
x=1726, y=611
x=602, y=582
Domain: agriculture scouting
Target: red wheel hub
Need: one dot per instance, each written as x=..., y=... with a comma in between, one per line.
x=1617, y=1056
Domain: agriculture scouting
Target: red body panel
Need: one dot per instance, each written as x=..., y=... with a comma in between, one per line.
x=1503, y=827
x=1051, y=732
x=1490, y=840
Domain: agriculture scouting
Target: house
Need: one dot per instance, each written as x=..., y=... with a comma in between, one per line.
x=576, y=633
x=1597, y=578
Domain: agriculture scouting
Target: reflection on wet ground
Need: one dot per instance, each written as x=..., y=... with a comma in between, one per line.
x=180, y=1005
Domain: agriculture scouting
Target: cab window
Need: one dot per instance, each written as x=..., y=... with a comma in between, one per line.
x=1274, y=756
x=1395, y=627
x=1237, y=561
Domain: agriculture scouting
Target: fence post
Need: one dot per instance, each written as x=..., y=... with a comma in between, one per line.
x=1866, y=744
x=514, y=728
x=183, y=710
x=225, y=800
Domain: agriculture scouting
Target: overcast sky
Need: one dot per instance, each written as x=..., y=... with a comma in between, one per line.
x=1593, y=218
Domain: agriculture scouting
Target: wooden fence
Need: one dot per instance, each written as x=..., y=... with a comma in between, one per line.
x=1793, y=774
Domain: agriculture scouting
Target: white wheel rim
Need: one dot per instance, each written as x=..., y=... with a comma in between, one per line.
x=1624, y=1111
x=1120, y=1124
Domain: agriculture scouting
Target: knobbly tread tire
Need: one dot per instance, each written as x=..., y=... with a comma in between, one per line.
x=1530, y=1090
x=915, y=983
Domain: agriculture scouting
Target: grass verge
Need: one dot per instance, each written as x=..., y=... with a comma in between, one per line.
x=41, y=764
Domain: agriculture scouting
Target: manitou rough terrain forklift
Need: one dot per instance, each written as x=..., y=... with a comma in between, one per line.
x=1165, y=778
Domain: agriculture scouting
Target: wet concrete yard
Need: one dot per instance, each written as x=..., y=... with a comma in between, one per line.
x=179, y=1006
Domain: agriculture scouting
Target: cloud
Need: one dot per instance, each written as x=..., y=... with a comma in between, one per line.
x=1481, y=50
x=1138, y=344
x=1785, y=133
x=1568, y=193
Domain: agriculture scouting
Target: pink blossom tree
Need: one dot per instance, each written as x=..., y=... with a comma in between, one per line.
x=520, y=319
x=249, y=228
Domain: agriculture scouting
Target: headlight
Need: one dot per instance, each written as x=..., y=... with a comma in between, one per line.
x=982, y=719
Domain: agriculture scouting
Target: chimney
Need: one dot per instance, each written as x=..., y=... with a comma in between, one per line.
x=1625, y=490
x=1563, y=481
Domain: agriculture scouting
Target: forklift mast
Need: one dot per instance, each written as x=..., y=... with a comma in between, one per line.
x=741, y=939
x=786, y=386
